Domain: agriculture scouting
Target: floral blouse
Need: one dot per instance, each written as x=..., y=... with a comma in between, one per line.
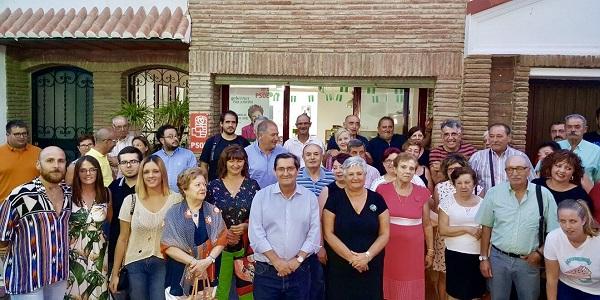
x=235, y=210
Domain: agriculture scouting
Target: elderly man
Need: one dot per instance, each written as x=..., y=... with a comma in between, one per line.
x=489, y=163
x=105, y=141
x=215, y=144
x=284, y=230
x=34, y=223
x=451, y=143
x=385, y=138
x=352, y=124
x=262, y=153
x=576, y=126
x=18, y=158
x=176, y=159
x=124, y=138
x=296, y=144
x=357, y=148
x=557, y=131
x=510, y=216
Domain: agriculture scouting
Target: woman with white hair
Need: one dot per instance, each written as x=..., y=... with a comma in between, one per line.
x=356, y=230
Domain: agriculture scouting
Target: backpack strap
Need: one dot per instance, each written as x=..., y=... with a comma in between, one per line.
x=541, y=225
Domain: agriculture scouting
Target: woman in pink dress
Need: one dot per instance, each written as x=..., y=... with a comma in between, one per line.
x=405, y=257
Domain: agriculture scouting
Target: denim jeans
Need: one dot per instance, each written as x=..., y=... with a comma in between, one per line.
x=147, y=278
x=317, y=278
x=269, y=286
x=507, y=270
x=56, y=290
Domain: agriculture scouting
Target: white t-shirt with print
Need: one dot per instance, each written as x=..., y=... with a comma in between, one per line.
x=579, y=267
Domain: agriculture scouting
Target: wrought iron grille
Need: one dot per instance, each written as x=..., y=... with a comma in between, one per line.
x=62, y=107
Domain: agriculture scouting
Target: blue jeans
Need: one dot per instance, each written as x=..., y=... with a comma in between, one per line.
x=56, y=290
x=269, y=286
x=147, y=278
x=317, y=278
x=507, y=270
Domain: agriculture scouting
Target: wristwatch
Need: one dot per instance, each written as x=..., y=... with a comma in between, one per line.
x=299, y=259
x=482, y=258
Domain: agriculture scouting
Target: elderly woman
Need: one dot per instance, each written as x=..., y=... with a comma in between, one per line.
x=417, y=134
x=410, y=229
x=232, y=192
x=248, y=131
x=572, y=256
x=457, y=223
x=142, y=218
x=356, y=229
x=389, y=155
x=342, y=137
x=194, y=235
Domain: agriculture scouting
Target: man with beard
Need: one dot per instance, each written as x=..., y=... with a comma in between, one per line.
x=576, y=126
x=105, y=141
x=215, y=144
x=18, y=158
x=34, y=223
x=129, y=162
x=176, y=159
x=295, y=145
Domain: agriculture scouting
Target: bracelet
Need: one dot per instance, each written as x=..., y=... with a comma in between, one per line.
x=368, y=255
x=429, y=250
x=212, y=258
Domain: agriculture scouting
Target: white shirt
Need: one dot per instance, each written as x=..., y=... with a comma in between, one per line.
x=459, y=215
x=579, y=267
x=295, y=146
x=127, y=141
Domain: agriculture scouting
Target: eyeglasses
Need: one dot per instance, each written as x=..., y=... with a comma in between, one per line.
x=129, y=162
x=88, y=171
x=511, y=170
x=20, y=134
x=120, y=127
x=86, y=145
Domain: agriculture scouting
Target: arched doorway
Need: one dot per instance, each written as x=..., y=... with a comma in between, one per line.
x=62, y=107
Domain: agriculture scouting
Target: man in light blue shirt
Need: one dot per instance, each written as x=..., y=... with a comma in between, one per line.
x=262, y=153
x=510, y=217
x=284, y=229
x=176, y=159
x=576, y=126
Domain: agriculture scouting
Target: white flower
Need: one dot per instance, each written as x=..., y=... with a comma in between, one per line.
x=98, y=213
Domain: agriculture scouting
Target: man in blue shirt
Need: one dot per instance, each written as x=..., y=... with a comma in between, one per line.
x=284, y=230
x=576, y=126
x=385, y=138
x=176, y=159
x=262, y=153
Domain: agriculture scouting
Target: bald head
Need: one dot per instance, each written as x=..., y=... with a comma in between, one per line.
x=104, y=134
x=105, y=140
x=52, y=165
x=51, y=151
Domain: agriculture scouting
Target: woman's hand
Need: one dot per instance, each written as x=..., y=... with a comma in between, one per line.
x=360, y=261
x=475, y=232
x=113, y=283
x=428, y=261
x=322, y=255
x=232, y=238
x=239, y=229
x=198, y=267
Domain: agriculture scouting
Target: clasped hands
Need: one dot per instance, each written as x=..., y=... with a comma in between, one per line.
x=235, y=232
x=285, y=268
x=359, y=261
x=197, y=268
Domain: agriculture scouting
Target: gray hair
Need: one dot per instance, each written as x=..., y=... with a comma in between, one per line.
x=451, y=123
x=515, y=156
x=257, y=122
x=263, y=126
x=119, y=118
x=576, y=116
x=303, y=115
x=355, y=143
x=312, y=144
x=354, y=161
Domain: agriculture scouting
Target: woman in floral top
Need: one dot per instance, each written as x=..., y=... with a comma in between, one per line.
x=232, y=193
x=87, y=259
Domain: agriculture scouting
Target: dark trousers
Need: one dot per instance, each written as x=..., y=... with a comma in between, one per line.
x=269, y=286
x=317, y=278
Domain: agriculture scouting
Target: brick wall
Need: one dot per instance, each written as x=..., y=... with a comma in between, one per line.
x=475, y=98
x=18, y=93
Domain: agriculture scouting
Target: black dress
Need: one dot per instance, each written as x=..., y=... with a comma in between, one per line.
x=357, y=232
x=575, y=193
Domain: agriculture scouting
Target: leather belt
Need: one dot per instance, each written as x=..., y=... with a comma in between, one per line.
x=507, y=253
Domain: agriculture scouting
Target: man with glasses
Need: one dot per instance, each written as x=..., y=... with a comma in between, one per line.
x=296, y=144
x=176, y=159
x=129, y=161
x=84, y=144
x=124, y=138
x=105, y=141
x=510, y=219
x=17, y=158
x=451, y=143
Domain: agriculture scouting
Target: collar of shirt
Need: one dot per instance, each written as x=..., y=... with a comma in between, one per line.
x=96, y=152
x=311, y=140
x=13, y=149
x=277, y=190
x=41, y=189
x=165, y=152
x=304, y=173
x=530, y=187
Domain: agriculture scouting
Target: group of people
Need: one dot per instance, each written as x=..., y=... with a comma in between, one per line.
x=356, y=219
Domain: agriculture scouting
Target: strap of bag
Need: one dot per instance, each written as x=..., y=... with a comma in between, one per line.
x=132, y=205
x=214, y=146
x=491, y=168
x=541, y=225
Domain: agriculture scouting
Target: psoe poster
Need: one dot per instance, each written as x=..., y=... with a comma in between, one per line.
x=198, y=131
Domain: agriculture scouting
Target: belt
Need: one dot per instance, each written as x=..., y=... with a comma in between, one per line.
x=507, y=253
x=405, y=221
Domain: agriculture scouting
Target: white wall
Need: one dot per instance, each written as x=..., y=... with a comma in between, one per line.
x=3, y=105
x=57, y=4
x=539, y=27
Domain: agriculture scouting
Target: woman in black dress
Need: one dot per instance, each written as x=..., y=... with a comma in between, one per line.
x=356, y=230
x=561, y=173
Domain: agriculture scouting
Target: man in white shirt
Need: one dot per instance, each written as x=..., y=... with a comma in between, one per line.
x=296, y=144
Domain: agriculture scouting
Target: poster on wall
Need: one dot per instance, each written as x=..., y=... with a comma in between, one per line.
x=241, y=98
x=198, y=131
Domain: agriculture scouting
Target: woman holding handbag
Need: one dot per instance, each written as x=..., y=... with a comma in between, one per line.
x=232, y=192
x=194, y=236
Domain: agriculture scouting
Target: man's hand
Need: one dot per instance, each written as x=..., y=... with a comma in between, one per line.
x=282, y=267
x=534, y=259
x=485, y=268
x=322, y=255
x=113, y=161
x=293, y=264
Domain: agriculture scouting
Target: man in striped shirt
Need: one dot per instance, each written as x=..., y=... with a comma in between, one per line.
x=451, y=143
x=34, y=223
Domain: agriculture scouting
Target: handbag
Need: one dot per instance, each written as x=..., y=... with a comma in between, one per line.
x=123, y=284
x=207, y=293
x=243, y=267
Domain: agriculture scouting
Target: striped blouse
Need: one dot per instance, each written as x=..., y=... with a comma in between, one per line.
x=39, y=238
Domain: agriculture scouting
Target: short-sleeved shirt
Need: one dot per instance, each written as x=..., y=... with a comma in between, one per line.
x=212, y=152
x=295, y=146
x=332, y=144
x=234, y=209
x=17, y=167
x=261, y=165
x=377, y=146
x=459, y=215
x=120, y=144
x=592, y=137
x=515, y=224
x=39, y=238
x=325, y=178
x=579, y=267
x=480, y=162
x=590, y=157
x=180, y=160
x=107, y=175
x=438, y=153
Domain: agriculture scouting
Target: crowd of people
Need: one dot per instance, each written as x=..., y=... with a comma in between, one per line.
x=256, y=219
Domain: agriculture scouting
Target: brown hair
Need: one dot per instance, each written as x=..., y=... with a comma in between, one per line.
x=402, y=157
x=462, y=171
x=185, y=177
x=409, y=143
x=233, y=151
x=590, y=226
x=99, y=188
x=144, y=141
x=414, y=129
x=560, y=156
x=140, y=186
x=451, y=159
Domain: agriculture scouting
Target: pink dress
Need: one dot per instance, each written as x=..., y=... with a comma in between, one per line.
x=404, y=262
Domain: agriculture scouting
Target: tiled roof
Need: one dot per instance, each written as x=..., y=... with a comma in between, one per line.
x=476, y=6
x=118, y=23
